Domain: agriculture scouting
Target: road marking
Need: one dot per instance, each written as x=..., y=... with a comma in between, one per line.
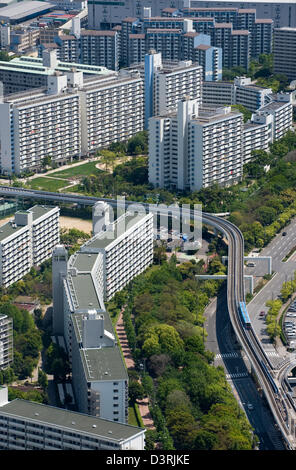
x=272, y=353
x=239, y=375
x=226, y=355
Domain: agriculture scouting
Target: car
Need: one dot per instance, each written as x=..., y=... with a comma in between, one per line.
x=284, y=234
x=262, y=313
x=251, y=264
x=250, y=406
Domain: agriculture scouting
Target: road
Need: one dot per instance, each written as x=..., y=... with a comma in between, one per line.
x=278, y=248
x=222, y=341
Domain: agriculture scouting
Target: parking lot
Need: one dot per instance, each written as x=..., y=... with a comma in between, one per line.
x=290, y=322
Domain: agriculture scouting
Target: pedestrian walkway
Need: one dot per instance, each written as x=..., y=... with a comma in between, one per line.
x=130, y=364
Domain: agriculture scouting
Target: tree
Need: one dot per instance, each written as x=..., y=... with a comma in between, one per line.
x=47, y=161
x=135, y=391
x=42, y=379
x=138, y=144
x=107, y=158
x=5, y=56
x=242, y=109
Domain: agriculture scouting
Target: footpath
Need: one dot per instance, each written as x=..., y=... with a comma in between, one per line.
x=130, y=364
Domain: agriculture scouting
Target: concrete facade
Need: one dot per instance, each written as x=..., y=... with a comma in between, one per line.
x=27, y=241
x=25, y=425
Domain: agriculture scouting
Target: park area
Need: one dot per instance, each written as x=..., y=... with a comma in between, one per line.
x=67, y=179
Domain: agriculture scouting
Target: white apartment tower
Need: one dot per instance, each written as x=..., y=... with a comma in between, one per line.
x=26, y=425
x=126, y=250
x=27, y=240
x=195, y=147
x=35, y=125
x=72, y=117
x=167, y=82
x=6, y=341
x=117, y=252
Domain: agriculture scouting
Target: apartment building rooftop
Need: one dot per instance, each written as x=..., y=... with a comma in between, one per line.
x=103, y=364
x=35, y=65
x=273, y=105
x=137, y=36
x=210, y=115
x=223, y=25
x=164, y=30
x=11, y=228
x=263, y=20
x=251, y=125
x=83, y=261
x=39, y=211
x=240, y=32
x=114, y=231
x=20, y=11
x=210, y=9
x=77, y=322
x=100, y=82
x=286, y=28
x=83, y=291
x=93, y=32
x=203, y=47
x=71, y=420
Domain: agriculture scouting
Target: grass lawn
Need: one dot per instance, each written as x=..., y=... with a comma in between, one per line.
x=132, y=418
x=84, y=169
x=46, y=184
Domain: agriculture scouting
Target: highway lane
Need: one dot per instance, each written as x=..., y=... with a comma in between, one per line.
x=222, y=341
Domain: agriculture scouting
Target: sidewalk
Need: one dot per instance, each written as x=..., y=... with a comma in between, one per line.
x=130, y=364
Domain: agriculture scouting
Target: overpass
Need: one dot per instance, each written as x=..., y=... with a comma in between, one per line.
x=261, y=365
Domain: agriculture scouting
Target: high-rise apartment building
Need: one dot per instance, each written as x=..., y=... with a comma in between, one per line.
x=281, y=110
x=117, y=252
x=240, y=91
x=284, y=52
x=24, y=73
x=110, y=13
x=6, y=341
x=126, y=249
x=90, y=47
x=237, y=31
x=71, y=117
x=111, y=110
x=27, y=425
x=166, y=82
x=195, y=147
x=27, y=240
x=38, y=124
